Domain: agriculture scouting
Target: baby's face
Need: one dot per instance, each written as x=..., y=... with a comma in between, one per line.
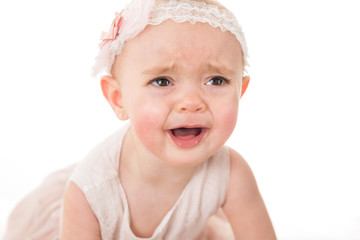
x=180, y=85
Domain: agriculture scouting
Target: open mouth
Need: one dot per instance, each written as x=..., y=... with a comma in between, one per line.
x=186, y=133
x=186, y=137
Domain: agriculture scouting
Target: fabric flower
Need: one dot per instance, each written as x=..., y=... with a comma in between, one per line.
x=113, y=32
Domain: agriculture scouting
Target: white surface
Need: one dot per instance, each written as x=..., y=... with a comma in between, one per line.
x=298, y=126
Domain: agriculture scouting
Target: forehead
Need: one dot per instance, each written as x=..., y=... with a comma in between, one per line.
x=183, y=44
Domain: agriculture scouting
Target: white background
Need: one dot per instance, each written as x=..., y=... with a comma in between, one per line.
x=298, y=123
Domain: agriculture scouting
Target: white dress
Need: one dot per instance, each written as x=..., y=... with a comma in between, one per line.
x=38, y=215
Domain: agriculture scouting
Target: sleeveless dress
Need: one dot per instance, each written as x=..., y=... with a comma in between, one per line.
x=38, y=215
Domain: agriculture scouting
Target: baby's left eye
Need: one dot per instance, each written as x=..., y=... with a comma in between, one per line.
x=217, y=81
x=161, y=82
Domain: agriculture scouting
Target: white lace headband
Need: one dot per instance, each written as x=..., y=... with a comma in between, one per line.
x=140, y=13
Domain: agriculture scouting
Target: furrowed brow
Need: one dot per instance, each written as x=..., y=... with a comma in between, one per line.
x=221, y=69
x=160, y=70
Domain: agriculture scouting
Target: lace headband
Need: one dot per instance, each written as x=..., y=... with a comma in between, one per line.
x=140, y=13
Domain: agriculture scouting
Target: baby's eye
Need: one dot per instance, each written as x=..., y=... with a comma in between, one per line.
x=161, y=82
x=217, y=81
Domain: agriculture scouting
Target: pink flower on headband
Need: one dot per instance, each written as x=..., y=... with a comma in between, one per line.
x=113, y=32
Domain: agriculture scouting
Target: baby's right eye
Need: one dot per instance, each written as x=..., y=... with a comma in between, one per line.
x=161, y=82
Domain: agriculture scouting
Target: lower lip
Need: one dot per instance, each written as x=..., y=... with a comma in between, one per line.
x=188, y=142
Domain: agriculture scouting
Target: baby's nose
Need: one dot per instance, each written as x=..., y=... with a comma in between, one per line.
x=191, y=102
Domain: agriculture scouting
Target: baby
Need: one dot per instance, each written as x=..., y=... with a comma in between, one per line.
x=175, y=70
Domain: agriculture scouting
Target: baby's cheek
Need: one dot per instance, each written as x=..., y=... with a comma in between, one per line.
x=228, y=119
x=147, y=119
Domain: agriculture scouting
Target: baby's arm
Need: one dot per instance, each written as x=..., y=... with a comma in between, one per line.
x=244, y=205
x=78, y=220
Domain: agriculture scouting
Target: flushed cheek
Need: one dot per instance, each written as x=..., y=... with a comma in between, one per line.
x=147, y=119
x=226, y=120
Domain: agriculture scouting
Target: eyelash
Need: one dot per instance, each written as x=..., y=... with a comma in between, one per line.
x=165, y=82
x=224, y=81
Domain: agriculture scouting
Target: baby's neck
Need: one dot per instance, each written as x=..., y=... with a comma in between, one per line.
x=151, y=171
x=152, y=188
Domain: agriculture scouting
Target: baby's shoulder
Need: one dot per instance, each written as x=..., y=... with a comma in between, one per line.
x=77, y=217
x=242, y=179
x=101, y=164
x=237, y=161
x=244, y=205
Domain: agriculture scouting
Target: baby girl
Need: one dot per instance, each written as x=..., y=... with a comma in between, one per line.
x=175, y=70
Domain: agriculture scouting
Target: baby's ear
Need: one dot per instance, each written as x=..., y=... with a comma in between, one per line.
x=245, y=84
x=111, y=90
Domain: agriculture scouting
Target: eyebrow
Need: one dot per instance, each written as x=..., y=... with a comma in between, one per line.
x=222, y=69
x=160, y=70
